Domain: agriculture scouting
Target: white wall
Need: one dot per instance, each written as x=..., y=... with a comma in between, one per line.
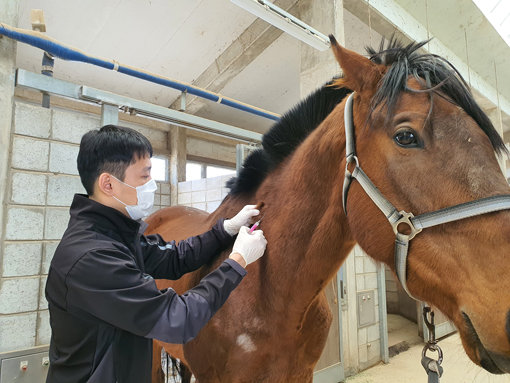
x=205, y=194
x=211, y=150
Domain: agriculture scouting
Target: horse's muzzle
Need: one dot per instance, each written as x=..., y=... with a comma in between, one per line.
x=493, y=362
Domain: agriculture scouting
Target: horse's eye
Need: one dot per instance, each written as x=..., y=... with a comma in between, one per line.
x=406, y=138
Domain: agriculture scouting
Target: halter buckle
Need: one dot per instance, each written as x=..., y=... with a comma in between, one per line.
x=405, y=218
x=348, y=179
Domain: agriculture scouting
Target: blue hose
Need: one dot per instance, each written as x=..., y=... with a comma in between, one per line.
x=71, y=54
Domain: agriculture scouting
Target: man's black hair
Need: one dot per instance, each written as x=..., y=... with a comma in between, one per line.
x=110, y=149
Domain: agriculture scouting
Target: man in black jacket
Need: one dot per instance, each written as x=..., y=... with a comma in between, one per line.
x=104, y=305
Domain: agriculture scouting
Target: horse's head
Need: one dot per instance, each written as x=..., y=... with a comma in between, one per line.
x=426, y=145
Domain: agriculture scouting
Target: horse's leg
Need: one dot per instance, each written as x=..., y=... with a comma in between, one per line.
x=158, y=375
x=182, y=370
x=185, y=374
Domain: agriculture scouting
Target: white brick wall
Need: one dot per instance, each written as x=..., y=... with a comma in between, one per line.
x=63, y=158
x=17, y=331
x=31, y=120
x=70, y=127
x=30, y=154
x=43, y=328
x=62, y=188
x=28, y=188
x=24, y=223
x=19, y=295
x=56, y=222
x=43, y=303
x=48, y=252
x=43, y=179
x=205, y=194
x=21, y=258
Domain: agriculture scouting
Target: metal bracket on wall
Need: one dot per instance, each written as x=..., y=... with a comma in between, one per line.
x=87, y=94
x=109, y=114
x=183, y=101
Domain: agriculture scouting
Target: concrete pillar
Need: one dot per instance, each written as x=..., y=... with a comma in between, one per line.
x=319, y=67
x=9, y=15
x=177, y=166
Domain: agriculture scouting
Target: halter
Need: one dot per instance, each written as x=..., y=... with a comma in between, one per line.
x=395, y=217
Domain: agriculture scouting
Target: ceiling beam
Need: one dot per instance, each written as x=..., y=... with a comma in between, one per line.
x=246, y=48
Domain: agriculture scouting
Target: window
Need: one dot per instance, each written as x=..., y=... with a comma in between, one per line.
x=193, y=171
x=159, y=171
x=198, y=170
x=216, y=171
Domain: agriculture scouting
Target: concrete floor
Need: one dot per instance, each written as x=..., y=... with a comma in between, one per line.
x=406, y=366
x=402, y=330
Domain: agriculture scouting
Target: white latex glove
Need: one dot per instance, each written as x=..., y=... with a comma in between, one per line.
x=250, y=246
x=242, y=218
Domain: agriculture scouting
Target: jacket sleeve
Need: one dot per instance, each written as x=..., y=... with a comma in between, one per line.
x=110, y=287
x=171, y=260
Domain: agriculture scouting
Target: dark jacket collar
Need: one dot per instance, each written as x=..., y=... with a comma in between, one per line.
x=105, y=218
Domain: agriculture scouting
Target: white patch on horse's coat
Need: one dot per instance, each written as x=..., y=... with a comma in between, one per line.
x=256, y=324
x=244, y=341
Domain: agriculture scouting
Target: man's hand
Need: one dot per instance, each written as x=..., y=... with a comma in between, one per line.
x=249, y=246
x=242, y=218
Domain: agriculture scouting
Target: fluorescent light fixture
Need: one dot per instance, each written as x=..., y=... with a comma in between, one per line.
x=286, y=22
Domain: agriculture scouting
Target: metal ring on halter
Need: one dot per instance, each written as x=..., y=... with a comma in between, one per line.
x=348, y=160
x=406, y=219
x=433, y=347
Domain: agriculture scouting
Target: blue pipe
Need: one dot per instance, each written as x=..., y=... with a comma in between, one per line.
x=71, y=54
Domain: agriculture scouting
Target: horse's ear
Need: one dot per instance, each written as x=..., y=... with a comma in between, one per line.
x=359, y=72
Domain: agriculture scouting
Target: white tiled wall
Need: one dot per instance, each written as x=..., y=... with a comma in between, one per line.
x=205, y=194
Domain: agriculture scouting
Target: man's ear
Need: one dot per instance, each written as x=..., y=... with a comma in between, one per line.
x=104, y=184
x=359, y=72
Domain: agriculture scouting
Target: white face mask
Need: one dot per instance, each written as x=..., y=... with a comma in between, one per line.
x=145, y=196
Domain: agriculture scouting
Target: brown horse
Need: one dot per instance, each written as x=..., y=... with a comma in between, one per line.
x=426, y=145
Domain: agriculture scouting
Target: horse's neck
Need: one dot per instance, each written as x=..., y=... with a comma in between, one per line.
x=307, y=232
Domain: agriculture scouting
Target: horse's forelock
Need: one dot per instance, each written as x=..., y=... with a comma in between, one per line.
x=435, y=74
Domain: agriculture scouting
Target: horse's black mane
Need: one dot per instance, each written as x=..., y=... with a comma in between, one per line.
x=285, y=136
x=403, y=61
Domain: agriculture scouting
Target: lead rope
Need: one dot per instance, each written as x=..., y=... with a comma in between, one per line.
x=431, y=366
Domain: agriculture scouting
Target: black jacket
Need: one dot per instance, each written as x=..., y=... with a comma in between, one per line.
x=104, y=305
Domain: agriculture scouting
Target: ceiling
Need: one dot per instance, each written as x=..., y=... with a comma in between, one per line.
x=181, y=39
x=177, y=39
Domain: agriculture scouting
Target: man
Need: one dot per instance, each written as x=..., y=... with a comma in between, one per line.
x=104, y=305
